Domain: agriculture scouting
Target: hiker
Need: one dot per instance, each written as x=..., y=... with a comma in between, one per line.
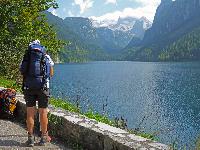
x=36, y=68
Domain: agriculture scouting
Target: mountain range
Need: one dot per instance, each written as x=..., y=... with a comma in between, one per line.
x=98, y=40
x=174, y=35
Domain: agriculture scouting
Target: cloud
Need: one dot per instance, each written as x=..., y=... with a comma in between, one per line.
x=84, y=4
x=147, y=9
x=148, y=2
x=54, y=12
x=111, y=1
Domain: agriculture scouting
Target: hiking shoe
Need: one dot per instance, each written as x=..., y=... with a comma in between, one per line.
x=44, y=140
x=30, y=141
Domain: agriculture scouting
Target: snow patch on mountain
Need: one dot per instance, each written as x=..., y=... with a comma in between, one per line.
x=122, y=24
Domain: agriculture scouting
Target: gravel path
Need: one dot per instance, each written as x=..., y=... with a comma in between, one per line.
x=13, y=137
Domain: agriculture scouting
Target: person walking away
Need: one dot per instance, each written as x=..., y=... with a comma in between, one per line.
x=36, y=68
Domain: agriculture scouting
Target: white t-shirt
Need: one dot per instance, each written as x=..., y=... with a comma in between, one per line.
x=51, y=64
x=50, y=60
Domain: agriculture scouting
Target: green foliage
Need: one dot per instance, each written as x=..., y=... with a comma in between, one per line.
x=143, y=134
x=129, y=54
x=9, y=84
x=138, y=53
x=21, y=22
x=147, y=135
x=55, y=123
x=98, y=117
x=197, y=143
x=148, y=51
x=71, y=107
x=186, y=48
x=174, y=145
x=64, y=104
x=75, y=56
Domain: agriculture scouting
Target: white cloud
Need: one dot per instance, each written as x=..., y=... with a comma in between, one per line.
x=54, y=12
x=109, y=16
x=111, y=1
x=148, y=2
x=84, y=4
x=147, y=9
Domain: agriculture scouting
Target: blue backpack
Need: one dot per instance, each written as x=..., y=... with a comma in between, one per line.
x=35, y=68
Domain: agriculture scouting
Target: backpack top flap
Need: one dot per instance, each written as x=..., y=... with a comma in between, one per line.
x=37, y=47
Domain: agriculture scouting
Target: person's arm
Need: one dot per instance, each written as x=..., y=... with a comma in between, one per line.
x=51, y=65
x=51, y=71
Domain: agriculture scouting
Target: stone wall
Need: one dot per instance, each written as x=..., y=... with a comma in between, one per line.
x=92, y=135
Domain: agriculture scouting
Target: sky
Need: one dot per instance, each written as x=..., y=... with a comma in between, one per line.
x=106, y=9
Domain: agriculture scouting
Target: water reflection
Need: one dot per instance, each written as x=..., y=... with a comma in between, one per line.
x=161, y=98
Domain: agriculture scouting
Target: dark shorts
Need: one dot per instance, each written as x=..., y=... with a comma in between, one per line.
x=31, y=96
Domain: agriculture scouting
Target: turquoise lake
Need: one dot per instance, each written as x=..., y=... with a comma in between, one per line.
x=161, y=98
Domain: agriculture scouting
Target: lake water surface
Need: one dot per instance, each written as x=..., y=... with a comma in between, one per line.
x=166, y=95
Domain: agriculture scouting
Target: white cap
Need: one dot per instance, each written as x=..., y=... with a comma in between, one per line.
x=35, y=42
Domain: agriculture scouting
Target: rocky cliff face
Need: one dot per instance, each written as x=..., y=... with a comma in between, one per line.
x=83, y=27
x=170, y=17
x=174, y=34
x=115, y=37
x=140, y=26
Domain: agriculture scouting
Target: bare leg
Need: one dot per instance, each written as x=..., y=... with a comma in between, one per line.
x=43, y=119
x=30, y=119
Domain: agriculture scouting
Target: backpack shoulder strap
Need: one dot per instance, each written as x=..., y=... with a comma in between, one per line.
x=28, y=58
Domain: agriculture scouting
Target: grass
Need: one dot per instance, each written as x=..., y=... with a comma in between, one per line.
x=100, y=118
x=66, y=105
x=9, y=84
x=143, y=134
